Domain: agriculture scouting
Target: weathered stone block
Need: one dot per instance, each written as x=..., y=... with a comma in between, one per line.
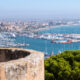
x=21, y=64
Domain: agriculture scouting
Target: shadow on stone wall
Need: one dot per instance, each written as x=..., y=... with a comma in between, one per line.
x=7, y=55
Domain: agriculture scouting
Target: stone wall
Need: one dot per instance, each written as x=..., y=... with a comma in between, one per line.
x=25, y=65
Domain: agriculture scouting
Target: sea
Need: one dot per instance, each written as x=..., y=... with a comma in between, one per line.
x=46, y=45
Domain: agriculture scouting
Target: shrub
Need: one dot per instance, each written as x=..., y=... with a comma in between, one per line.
x=64, y=66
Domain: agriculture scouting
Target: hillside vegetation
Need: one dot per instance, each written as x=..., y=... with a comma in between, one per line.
x=64, y=66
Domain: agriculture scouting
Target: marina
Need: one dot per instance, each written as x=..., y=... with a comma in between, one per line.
x=7, y=40
x=57, y=38
x=57, y=41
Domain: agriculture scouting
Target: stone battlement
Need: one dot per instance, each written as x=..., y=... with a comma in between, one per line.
x=21, y=64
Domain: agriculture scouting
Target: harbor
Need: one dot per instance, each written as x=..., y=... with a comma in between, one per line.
x=56, y=41
x=57, y=38
x=8, y=39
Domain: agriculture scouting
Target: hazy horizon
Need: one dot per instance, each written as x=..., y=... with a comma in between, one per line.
x=39, y=9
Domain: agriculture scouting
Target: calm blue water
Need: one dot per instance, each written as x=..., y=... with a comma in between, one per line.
x=39, y=44
x=63, y=29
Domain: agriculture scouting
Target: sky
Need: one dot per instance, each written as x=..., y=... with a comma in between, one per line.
x=39, y=8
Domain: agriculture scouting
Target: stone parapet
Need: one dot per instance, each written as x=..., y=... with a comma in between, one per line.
x=21, y=64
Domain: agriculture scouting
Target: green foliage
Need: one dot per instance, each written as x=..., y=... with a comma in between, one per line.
x=64, y=66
